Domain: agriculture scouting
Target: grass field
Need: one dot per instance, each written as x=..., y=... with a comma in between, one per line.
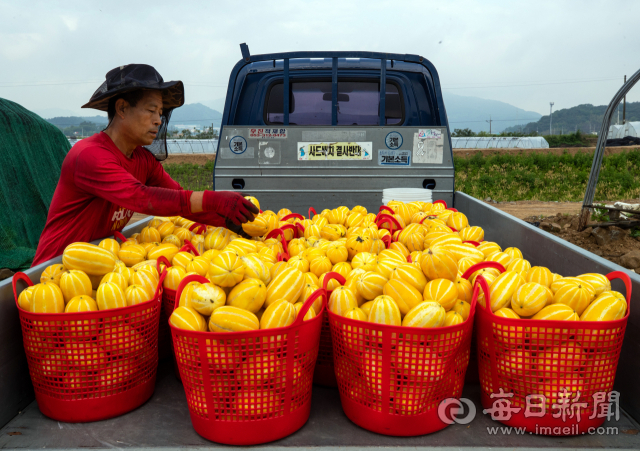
x=543, y=177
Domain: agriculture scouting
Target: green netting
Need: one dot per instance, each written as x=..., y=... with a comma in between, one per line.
x=31, y=155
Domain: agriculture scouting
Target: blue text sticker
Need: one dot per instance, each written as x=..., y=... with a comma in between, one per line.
x=394, y=157
x=393, y=140
x=238, y=145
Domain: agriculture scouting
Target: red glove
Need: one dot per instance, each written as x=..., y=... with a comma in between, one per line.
x=230, y=205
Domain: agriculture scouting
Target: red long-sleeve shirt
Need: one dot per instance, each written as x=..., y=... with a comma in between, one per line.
x=100, y=189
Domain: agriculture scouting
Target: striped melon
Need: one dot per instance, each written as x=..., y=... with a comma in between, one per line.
x=205, y=298
x=609, y=306
x=356, y=314
x=75, y=283
x=278, y=267
x=411, y=274
x=473, y=233
x=307, y=291
x=439, y=264
x=575, y=296
x=394, y=254
x=520, y=266
x=352, y=284
x=25, y=297
x=443, y=291
x=116, y=278
x=182, y=233
x=300, y=263
x=405, y=295
x=249, y=294
x=52, y=273
x=384, y=310
x=332, y=232
x=364, y=260
x=366, y=308
x=370, y=285
x=342, y=268
x=529, y=299
x=500, y=257
x=287, y=284
x=465, y=263
x=386, y=267
x=135, y=294
x=165, y=229
x=502, y=289
x=342, y=300
x=182, y=259
x=185, y=296
x=150, y=235
x=440, y=238
x=81, y=304
x=320, y=265
x=312, y=231
x=357, y=244
x=463, y=308
x=188, y=319
x=145, y=279
x=399, y=247
x=167, y=250
x=199, y=265
x=110, y=296
x=217, y=239
x=110, y=245
x=232, y=319
x=598, y=281
x=425, y=314
x=210, y=254
x=462, y=250
x=506, y=312
x=46, y=298
x=174, y=276
x=258, y=227
x=540, y=275
x=458, y=221
x=241, y=246
x=311, y=313
x=226, y=269
x=89, y=258
x=465, y=289
x=131, y=254
x=453, y=318
x=280, y=313
x=255, y=268
x=489, y=247
x=513, y=252
x=172, y=239
x=557, y=312
x=296, y=246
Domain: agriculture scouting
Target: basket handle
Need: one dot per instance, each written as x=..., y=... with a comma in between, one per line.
x=296, y=231
x=158, y=294
x=293, y=215
x=453, y=229
x=409, y=259
x=441, y=202
x=14, y=281
x=387, y=240
x=162, y=259
x=452, y=209
x=481, y=283
x=312, y=210
x=186, y=281
x=385, y=208
x=201, y=228
x=627, y=283
x=475, y=243
x=330, y=276
x=483, y=265
x=283, y=240
x=308, y=304
x=119, y=236
x=188, y=247
x=300, y=228
x=387, y=219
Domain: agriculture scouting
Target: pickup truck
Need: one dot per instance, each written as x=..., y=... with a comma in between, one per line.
x=323, y=129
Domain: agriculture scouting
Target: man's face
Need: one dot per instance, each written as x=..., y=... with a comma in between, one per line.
x=143, y=120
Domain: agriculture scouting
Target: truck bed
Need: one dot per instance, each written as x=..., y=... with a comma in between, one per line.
x=164, y=423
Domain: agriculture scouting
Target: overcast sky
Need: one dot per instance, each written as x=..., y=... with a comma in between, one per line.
x=53, y=55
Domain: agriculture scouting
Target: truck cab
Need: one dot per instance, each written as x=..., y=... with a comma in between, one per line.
x=333, y=128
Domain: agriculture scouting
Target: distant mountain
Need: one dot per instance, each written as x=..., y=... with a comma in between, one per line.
x=61, y=112
x=586, y=118
x=195, y=114
x=67, y=121
x=474, y=113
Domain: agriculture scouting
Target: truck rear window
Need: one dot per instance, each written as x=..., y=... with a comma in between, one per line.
x=310, y=103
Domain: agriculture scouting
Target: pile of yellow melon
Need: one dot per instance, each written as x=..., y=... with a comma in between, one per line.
x=90, y=278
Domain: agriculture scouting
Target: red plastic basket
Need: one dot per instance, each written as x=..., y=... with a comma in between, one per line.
x=93, y=365
x=247, y=388
x=522, y=360
x=324, y=373
x=392, y=379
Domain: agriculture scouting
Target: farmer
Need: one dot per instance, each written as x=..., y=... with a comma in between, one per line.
x=109, y=176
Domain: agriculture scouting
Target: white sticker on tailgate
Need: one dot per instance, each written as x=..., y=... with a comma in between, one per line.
x=428, y=146
x=334, y=151
x=268, y=133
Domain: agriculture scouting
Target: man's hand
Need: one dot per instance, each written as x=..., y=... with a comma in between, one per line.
x=230, y=205
x=237, y=229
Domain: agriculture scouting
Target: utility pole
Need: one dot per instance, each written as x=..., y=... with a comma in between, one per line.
x=489, y=121
x=624, y=105
x=550, y=118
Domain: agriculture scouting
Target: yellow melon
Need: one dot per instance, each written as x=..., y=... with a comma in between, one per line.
x=411, y=274
x=46, y=298
x=150, y=235
x=342, y=300
x=167, y=250
x=232, y=319
x=132, y=254
x=174, y=276
x=520, y=266
x=75, y=283
x=311, y=313
x=443, y=291
x=502, y=289
x=425, y=314
x=89, y=258
x=453, y=318
x=540, y=275
x=307, y=291
x=366, y=308
x=287, y=284
x=463, y=308
x=364, y=260
x=557, y=312
x=575, y=296
x=370, y=285
x=439, y=264
x=172, y=239
x=356, y=314
x=384, y=310
x=24, y=299
x=500, y=257
x=52, y=273
x=206, y=298
x=116, y=278
x=529, y=299
x=608, y=306
x=217, y=239
x=250, y=294
x=473, y=233
x=405, y=295
x=465, y=289
x=598, y=281
x=135, y=294
x=386, y=267
x=188, y=319
x=506, y=312
x=280, y=313
x=226, y=269
x=110, y=296
x=489, y=247
x=145, y=279
x=320, y=265
x=255, y=268
x=199, y=265
x=258, y=227
x=165, y=229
